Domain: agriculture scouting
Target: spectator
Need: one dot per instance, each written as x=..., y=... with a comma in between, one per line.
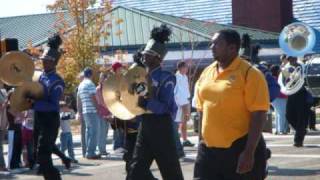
x=27, y=138
x=279, y=104
x=80, y=119
x=182, y=98
x=3, y=124
x=66, y=142
x=104, y=115
x=15, y=120
x=87, y=108
x=118, y=133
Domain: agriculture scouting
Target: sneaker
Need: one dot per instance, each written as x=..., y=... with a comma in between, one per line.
x=3, y=169
x=120, y=150
x=18, y=170
x=187, y=143
x=94, y=157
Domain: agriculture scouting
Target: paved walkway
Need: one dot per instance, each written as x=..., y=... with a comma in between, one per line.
x=287, y=162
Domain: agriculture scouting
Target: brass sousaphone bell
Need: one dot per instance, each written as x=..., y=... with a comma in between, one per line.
x=296, y=40
x=119, y=96
x=17, y=69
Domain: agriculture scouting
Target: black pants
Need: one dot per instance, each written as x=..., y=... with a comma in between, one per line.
x=311, y=117
x=297, y=114
x=46, y=126
x=17, y=146
x=155, y=141
x=131, y=139
x=221, y=163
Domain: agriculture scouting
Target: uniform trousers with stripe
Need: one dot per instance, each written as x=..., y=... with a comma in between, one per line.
x=297, y=114
x=46, y=127
x=155, y=141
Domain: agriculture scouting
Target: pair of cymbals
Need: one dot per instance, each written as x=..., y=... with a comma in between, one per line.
x=21, y=97
x=121, y=101
x=24, y=95
x=15, y=68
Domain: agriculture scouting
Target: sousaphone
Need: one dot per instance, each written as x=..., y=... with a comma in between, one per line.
x=296, y=40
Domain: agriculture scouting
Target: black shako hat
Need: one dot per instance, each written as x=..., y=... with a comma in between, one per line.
x=52, y=53
x=156, y=44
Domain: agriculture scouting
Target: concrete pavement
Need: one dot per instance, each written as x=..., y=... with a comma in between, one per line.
x=287, y=162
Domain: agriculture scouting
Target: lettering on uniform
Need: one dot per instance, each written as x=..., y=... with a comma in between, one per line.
x=169, y=83
x=155, y=83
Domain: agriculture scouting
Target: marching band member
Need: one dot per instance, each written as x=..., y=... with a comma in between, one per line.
x=297, y=109
x=155, y=139
x=46, y=115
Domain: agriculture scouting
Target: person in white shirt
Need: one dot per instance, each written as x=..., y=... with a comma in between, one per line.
x=81, y=120
x=182, y=98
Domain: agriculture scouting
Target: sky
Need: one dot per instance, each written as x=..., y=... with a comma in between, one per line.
x=23, y=7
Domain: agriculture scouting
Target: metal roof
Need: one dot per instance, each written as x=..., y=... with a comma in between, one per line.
x=135, y=28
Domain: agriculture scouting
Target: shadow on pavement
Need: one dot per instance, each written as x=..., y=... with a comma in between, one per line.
x=275, y=171
x=76, y=173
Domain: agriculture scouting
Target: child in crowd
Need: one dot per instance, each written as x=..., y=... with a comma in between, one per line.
x=27, y=139
x=3, y=124
x=66, y=115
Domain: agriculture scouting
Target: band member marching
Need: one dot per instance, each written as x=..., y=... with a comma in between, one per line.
x=155, y=139
x=47, y=109
x=297, y=108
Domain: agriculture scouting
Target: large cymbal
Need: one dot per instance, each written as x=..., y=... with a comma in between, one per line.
x=18, y=99
x=15, y=68
x=118, y=96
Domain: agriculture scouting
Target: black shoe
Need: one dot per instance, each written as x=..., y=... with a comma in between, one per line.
x=39, y=171
x=298, y=144
x=187, y=143
x=75, y=161
x=67, y=163
x=181, y=155
x=31, y=165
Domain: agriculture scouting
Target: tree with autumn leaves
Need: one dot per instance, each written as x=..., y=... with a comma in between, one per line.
x=82, y=25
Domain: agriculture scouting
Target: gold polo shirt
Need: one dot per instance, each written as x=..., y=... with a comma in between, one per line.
x=227, y=99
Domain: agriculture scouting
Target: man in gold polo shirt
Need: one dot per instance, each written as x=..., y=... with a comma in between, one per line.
x=233, y=97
